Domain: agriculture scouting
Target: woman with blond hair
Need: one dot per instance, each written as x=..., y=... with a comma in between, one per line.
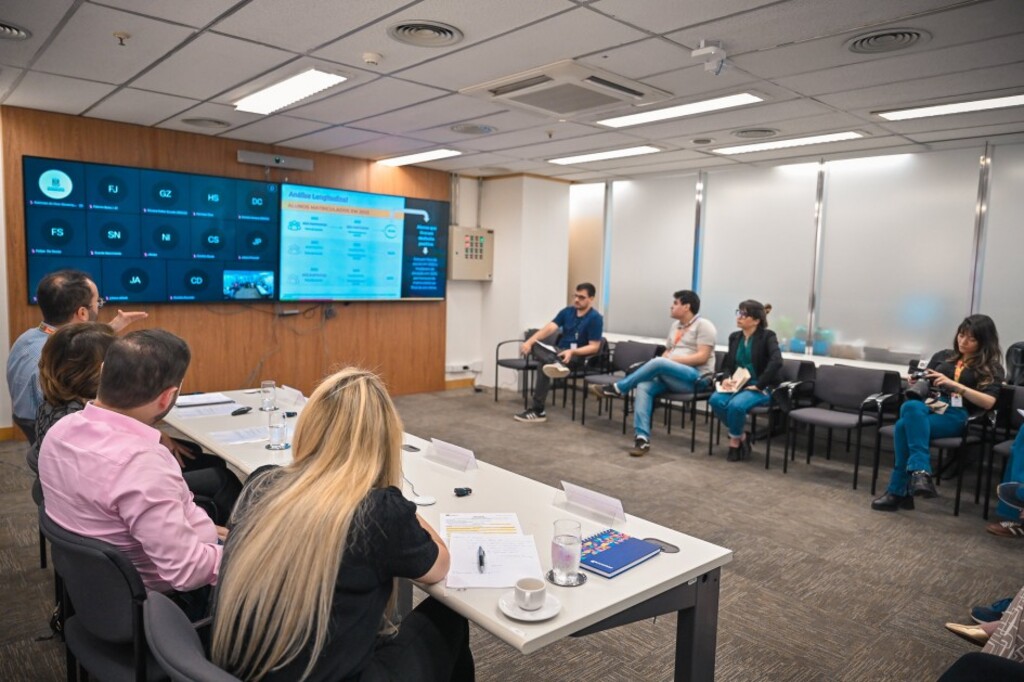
x=306, y=585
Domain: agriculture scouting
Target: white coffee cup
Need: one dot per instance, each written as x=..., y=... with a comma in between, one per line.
x=529, y=593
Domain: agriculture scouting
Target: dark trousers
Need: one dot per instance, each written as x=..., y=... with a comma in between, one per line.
x=215, y=488
x=28, y=427
x=432, y=645
x=542, y=384
x=979, y=667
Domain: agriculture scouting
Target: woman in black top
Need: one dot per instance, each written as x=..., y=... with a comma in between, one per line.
x=306, y=584
x=755, y=348
x=965, y=382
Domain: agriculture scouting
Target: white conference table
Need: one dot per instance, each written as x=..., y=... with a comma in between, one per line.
x=686, y=582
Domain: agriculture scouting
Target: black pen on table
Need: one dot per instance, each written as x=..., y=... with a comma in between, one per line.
x=480, y=559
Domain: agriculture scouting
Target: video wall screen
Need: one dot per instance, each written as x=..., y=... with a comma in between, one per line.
x=340, y=245
x=150, y=236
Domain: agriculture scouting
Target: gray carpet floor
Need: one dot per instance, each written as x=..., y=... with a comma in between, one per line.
x=820, y=588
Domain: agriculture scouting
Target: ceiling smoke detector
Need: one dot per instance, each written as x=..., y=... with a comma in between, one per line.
x=887, y=40
x=206, y=122
x=755, y=133
x=425, y=33
x=11, y=32
x=473, y=129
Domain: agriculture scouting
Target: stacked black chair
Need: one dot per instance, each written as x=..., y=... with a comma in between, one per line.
x=175, y=643
x=102, y=598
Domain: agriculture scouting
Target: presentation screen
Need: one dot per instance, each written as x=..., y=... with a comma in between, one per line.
x=339, y=245
x=150, y=236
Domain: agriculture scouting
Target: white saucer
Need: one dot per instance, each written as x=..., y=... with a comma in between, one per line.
x=507, y=605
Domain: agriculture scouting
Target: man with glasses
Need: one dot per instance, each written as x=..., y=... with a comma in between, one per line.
x=65, y=297
x=685, y=366
x=581, y=326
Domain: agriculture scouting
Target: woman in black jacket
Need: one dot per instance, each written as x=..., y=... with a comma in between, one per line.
x=755, y=348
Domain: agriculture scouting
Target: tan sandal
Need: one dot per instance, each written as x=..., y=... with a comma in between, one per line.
x=972, y=633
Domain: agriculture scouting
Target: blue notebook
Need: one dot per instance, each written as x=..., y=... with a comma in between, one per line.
x=611, y=552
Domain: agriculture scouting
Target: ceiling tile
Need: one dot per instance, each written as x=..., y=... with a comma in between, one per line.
x=273, y=129
x=661, y=158
x=578, y=145
x=578, y=31
x=788, y=127
x=210, y=110
x=478, y=20
x=757, y=115
x=974, y=133
x=459, y=163
x=86, y=47
x=36, y=90
x=646, y=57
x=667, y=15
x=977, y=119
x=273, y=22
x=195, y=13
x=140, y=107
x=695, y=82
x=505, y=121
x=380, y=96
x=444, y=111
x=383, y=148
x=210, y=64
x=695, y=164
x=829, y=150
x=40, y=18
x=331, y=138
x=7, y=78
x=527, y=136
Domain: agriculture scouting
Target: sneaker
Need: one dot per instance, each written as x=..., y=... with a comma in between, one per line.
x=641, y=446
x=1006, y=529
x=555, y=370
x=531, y=416
x=992, y=612
x=605, y=391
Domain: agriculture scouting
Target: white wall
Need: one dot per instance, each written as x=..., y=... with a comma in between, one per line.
x=586, y=234
x=465, y=298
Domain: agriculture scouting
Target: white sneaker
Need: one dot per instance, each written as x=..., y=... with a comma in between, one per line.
x=555, y=370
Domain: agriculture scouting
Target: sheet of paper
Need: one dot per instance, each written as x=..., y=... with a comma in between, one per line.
x=201, y=399
x=507, y=558
x=480, y=524
x=252, y=434
x=220, y=409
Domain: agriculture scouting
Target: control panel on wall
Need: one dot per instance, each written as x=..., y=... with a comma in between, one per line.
x=472, y=253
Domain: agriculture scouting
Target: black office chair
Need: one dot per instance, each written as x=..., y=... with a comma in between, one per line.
x=592, y=365
x=1011, y=421
x=175, y=643
x=524, y=366
x=102, y=601
x=627, y=357
x=847, y=398
x=1015, y=364
x=689, y=400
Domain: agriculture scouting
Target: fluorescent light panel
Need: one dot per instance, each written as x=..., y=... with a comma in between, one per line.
x=603, y=156
x=782, y=144
x=421, y=157
x=288, y=91
x=682, y=110
x=953, y=108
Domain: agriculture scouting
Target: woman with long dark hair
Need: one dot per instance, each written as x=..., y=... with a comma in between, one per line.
x=966, y=381
x=755, y=348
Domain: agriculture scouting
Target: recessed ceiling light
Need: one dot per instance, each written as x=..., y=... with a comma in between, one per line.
x=421, y=157
x=953, y=108
x=887, y=40
x=9, y=31
x=288, y=91
x=206, y=122
x=792, y=142
x=602, y=156
x=425, y=33
x=473, y=129
x=690, y=109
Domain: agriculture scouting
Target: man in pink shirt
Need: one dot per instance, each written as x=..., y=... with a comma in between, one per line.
x=105, y=474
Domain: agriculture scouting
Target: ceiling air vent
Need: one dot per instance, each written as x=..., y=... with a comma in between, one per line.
x=755, y=133
x=887, y=40
x=12, y=32
x=472, y=129
x=566, y=89
x=425, y=33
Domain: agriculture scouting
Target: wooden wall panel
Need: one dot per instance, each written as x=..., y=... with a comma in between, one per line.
x=236, y=345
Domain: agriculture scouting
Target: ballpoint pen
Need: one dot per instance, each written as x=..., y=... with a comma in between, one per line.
x=480, y=559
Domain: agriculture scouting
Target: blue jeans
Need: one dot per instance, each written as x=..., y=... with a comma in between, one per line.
x=1014, y=473
x=657, y=376
x=732, y=408
x=915, y=428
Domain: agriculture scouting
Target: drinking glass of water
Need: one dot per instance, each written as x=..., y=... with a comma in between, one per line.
x=565, y=552
x=278, y=439
x=268, y=396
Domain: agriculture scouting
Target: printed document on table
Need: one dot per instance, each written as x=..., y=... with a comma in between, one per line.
x=507, y=558
x=252, y=434
x=202, y=399
x=501, y=523
x=219, y=410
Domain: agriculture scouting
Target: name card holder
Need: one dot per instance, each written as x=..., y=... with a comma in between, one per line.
x=452, y=456
x=589, y=503
x=290, y=397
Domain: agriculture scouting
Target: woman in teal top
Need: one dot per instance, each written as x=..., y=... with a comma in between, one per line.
x=755, y=348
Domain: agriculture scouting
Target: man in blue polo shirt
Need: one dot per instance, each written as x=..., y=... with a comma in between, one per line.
x=581, y=328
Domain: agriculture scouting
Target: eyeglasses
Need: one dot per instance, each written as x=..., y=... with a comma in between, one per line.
x=580, y=297
x=742, y=313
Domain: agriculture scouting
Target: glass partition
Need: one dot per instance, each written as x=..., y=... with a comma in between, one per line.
x=1001, y=279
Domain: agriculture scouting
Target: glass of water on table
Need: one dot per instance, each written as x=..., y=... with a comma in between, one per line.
x=566, y=543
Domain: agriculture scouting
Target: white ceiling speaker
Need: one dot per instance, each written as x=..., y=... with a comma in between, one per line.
x=565, y=89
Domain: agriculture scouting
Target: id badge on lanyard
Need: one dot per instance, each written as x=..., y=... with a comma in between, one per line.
x=957, y=400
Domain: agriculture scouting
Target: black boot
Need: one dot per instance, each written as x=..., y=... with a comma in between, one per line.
x=734, y=455
x=890, y=503
x=921, y=484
